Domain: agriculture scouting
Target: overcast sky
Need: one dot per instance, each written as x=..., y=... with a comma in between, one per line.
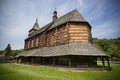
x=18, y=16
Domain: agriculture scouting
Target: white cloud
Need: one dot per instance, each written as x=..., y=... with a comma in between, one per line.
x=94, y=10
x=17, y=19
x=107, y=28
x=97, y=13
x=81, y=3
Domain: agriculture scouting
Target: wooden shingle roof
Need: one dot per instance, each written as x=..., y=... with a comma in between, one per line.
x=83, y=49
x=71, y=16
x=74, y=15
x=41, y=30
x=36, y=25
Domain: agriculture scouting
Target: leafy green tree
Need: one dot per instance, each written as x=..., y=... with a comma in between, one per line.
x=16, y=52
x=114, y=52
x=8, y=50
x=109, y=46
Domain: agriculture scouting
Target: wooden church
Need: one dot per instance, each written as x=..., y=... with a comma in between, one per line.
x=66, y=41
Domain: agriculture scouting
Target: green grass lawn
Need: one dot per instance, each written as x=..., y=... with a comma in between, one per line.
x=11, y=71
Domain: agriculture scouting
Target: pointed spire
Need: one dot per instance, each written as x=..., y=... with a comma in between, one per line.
x=34, y=28
x=36, y=20
x=36, y=25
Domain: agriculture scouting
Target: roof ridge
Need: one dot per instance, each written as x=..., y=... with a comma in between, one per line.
x=59, y=17
x=45, y=25
x=67, y=13
x=73, y=15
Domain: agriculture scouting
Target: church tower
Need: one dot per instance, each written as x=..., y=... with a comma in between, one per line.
x=34, y=28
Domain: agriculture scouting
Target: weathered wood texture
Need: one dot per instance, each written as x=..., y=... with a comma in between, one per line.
x=31, y=31
x=56, y=33
x=39, y=41
x=25, y=45
x=79, y=32
x=73, y=32
x=28, y=42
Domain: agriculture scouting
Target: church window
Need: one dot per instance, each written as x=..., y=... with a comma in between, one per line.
x=61, y=38
x=37, y=42
x=52, y=40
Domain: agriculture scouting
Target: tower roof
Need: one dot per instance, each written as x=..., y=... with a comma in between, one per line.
x=36, y=25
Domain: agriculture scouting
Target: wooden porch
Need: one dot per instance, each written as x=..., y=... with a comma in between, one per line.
x=78, y=62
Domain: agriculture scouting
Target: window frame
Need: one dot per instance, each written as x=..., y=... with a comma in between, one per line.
x=37, y=42
x=62, y=38
x=52, y=40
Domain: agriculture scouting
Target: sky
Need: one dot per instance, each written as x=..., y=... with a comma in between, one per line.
x=17, y=17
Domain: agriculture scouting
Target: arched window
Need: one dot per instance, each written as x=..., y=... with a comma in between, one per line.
x=52, y=40
x=37, y=42
x=61, y=38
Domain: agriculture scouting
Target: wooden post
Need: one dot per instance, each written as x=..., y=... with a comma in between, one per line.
x=40, y=60
x=103, y=62
x=32, y=60
x=108, y=63
x=69, y=63
x=43, y=61
x=53, y=61
x=20, y=60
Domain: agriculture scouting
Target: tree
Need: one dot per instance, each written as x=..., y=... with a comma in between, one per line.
x=110, y=46
x=8, y=50
x=114, y=52
x=16, y=52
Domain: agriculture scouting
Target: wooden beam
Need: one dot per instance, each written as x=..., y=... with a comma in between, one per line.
x=32, y=60
x=43, y=61
x=53, y=61
x=108, y=63
x=69, y=62
x=103, y=62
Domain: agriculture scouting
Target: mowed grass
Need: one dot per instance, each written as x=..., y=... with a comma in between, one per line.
x=11, y=71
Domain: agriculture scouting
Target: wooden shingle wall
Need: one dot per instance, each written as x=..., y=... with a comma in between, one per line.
x=73, y=32
x=56, y=33
x=79, y=32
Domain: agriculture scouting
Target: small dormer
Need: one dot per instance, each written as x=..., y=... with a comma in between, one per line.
x=34, y=28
